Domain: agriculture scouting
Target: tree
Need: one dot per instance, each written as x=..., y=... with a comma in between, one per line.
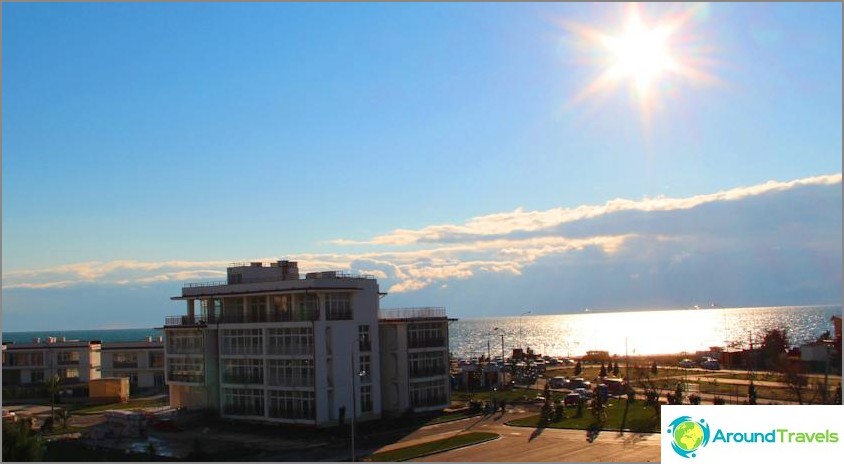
x=578, y=369
x=603, y=370
x=653, y=368
x=774, y=347
x=615, y=369
x=20, y=444
x=53, y=384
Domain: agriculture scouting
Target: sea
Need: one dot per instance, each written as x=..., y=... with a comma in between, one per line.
x=568, y=335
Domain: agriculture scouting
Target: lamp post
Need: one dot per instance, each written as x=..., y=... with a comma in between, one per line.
x=500, y=332
x=521, y=334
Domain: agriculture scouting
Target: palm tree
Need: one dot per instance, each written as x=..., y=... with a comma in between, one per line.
x=53, y=384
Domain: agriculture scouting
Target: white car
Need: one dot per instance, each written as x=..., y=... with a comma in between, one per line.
x=687, y=363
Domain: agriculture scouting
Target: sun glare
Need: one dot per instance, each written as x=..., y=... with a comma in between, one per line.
x=643, y=55
x=640, y=55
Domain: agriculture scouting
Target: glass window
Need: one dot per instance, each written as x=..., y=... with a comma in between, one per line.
x=291, y=341
x=366, y=398
x=292, y=404
x=363, y=338
x=243, y=371
x=338, y=306
x=242, y=341
x=290, y=372
x=243, y=401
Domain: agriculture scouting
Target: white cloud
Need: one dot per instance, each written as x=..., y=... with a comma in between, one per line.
x=503, y=243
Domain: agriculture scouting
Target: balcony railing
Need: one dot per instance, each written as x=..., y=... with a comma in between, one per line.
x=428, y=371
x=243, y=379
x=412, y=313
x=183, y=321
x=298, y=381
x=186, y=377
x=426, y=342
x=294, y=350
x=126, y=365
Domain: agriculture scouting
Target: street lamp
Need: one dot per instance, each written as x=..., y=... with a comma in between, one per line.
x=501, y=332
x=521, y=334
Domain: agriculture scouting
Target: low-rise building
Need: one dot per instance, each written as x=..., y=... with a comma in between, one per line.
x=142, y=362
x=74, y=361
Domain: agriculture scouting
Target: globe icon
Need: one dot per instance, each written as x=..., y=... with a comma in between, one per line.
x=688, y=435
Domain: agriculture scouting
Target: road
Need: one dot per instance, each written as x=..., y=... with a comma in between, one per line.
x=535, y=445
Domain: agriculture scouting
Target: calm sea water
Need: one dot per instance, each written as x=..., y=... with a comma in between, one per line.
x=644, y=332
x=114, y=335
x=641, y=332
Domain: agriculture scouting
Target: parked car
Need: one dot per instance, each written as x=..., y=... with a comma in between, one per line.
x=557, y=382
x=571, y=399
x=710, y=363
x=687, y=363
x=583, y=392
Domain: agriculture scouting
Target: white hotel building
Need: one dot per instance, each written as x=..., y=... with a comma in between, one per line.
x=268, y=345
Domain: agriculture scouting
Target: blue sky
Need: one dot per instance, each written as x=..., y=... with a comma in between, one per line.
x=438, y=146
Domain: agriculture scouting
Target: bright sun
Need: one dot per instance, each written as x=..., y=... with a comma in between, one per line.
x=642, y=55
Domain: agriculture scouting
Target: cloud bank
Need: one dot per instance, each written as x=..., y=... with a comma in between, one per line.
x=778, y=239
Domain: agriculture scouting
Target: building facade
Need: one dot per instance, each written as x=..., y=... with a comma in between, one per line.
x=142, y=362
x=269, y=345
x=73, y=361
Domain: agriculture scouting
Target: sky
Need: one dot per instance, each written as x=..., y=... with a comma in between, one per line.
x=488, y=158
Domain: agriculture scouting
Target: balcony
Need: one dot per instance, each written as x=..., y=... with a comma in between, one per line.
x=411, y=313
x=125, y=364
x=183, y=321
x=426, y=342
x=187, y=377
x=428, y=371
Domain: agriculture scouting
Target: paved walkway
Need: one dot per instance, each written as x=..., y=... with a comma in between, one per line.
x=529, y=444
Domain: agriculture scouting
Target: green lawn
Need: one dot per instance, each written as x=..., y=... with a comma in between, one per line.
x=415, y=451
x=640, y=418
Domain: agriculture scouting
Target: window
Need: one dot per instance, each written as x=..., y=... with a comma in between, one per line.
x=292, y=404
x=426, y=364
x=424, y=394
x=184, y=342
x=366, y=398
x=338, y=306
x=68, y=358
x=24, y=359
x=186, y=369
x=291, y=341
x=426, y=335
x=125, y=359
x=243, y=401
x=36, y=377
x=307, y=307
x=257, y=309
x=363, y=338
x=156, y=359
x=242, y=341
x=291, y=372
x=70, y=374
x=282, y=308
x=243, y=371
x=233, y=310
x=365, y=368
